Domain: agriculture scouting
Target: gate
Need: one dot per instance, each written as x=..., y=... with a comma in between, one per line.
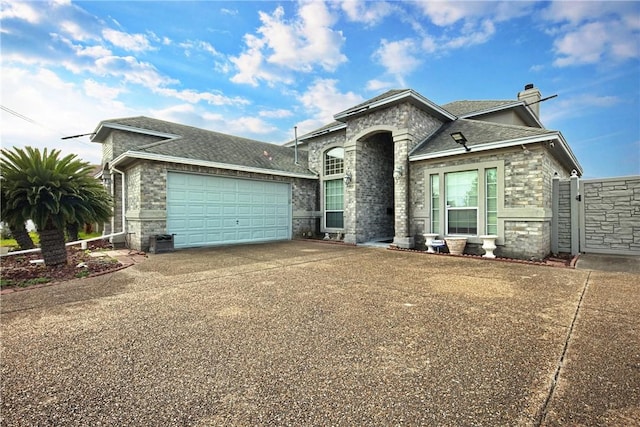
x=596, y=215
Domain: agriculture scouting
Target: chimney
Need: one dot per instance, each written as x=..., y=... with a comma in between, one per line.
x=531, y=96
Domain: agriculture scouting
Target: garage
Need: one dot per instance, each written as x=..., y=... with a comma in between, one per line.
x=205, y=210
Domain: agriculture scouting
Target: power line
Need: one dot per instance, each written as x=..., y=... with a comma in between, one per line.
x=27, y=119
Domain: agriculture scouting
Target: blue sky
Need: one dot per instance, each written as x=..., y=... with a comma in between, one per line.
x=257, y=69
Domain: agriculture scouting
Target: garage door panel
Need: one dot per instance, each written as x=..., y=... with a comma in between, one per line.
x=211, y=210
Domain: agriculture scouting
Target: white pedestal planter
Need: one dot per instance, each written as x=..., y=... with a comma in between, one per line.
x=429, y=238
x=489, y=245
x=456, y=244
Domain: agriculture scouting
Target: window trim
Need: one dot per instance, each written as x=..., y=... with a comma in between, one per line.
x=323, y=179
x=481, y=168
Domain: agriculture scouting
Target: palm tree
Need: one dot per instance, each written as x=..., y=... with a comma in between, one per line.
x=14, y=220
x=52, y=192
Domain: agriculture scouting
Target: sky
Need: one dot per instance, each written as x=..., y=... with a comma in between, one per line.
x=257, y=69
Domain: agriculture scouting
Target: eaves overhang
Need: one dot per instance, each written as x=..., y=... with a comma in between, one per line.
x=129, y=156
x=323, y=132
x=566, y=151
x=104, y=128
x=405, y=96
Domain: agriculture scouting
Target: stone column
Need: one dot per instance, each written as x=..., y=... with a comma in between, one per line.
x=350, y=197
x=401, y=143
x=555, y=212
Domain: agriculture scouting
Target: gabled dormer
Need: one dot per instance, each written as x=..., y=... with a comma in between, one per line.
x=525, y=111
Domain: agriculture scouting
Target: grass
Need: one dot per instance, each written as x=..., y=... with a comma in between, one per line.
x=36, y=239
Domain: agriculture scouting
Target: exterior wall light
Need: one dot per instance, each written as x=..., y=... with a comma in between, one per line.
x=347, y=178
x=398, y=172
x=460, y=139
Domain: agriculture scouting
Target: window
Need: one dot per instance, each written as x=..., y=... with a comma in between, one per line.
x=435, y=203
x=334, y=203
x=462, y=202
x=334, y=161
x=466, y=202
x=334, y=188
x=491, y=192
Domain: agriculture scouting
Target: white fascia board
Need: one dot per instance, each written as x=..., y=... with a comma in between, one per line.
x=569, y=153
x=397, y=97
x=322, y=132
x=204, y=163
x=116, y=126
x=557, y=136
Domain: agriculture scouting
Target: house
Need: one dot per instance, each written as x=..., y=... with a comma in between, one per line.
x=386, y=169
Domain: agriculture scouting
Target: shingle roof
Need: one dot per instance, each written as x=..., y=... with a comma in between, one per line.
x=201, y=144
x=477, y=133
x=380, y=97
x=461, y=108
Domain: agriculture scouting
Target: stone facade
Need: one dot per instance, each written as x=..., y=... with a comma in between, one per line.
x=611, y=215
x=564, y=217
x=146, y=199
x=385, y=195
x=524, y=214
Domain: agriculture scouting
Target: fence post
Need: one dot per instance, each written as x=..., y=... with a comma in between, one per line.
x=555, y=211
x=575, y=213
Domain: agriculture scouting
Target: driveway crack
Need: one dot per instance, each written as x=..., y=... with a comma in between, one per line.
x=542, y=415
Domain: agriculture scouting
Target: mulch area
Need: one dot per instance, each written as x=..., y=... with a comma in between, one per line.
x=18, y=272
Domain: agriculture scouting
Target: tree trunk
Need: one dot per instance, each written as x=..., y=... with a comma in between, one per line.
x=72, y=231
x=54, y=251
x=22, y=237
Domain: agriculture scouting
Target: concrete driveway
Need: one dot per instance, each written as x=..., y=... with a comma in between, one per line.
x=305, y=333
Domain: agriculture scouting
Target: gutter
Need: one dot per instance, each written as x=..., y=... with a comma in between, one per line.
x=205, y=163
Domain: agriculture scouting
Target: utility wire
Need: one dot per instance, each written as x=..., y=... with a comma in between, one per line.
x=27, y=119
x=30, y=120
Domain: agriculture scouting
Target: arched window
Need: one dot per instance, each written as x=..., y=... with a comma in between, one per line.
x=333, y=188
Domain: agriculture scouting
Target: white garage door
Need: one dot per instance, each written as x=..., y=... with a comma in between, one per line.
x=207, y=210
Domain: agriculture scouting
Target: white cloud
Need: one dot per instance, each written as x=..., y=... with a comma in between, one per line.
x=100, y=91
x=75, y=31
x=19, y=10
x=92, y=51
x=284, y=46
x=376, y=85
x=59, y=108
x=193, y=96
x=473, y=37
x=446, y=13
x=322, y=100
x=367, y=12
x=275, y=114
x=577, y=106
x=593, y=32
x=399, y=58
x=129, y=42
x=199, y=45
x=131, y=70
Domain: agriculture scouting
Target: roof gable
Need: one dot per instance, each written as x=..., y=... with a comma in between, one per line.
x=187, y=144
x=393, y=97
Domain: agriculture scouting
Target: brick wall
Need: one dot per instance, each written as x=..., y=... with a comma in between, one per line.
x=374, y=188
x=527, y=197
x=147, y=199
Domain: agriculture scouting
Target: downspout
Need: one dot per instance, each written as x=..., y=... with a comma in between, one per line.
x=124, y=220
x=295, y=132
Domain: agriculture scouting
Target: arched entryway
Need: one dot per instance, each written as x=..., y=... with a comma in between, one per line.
x=374, y=193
